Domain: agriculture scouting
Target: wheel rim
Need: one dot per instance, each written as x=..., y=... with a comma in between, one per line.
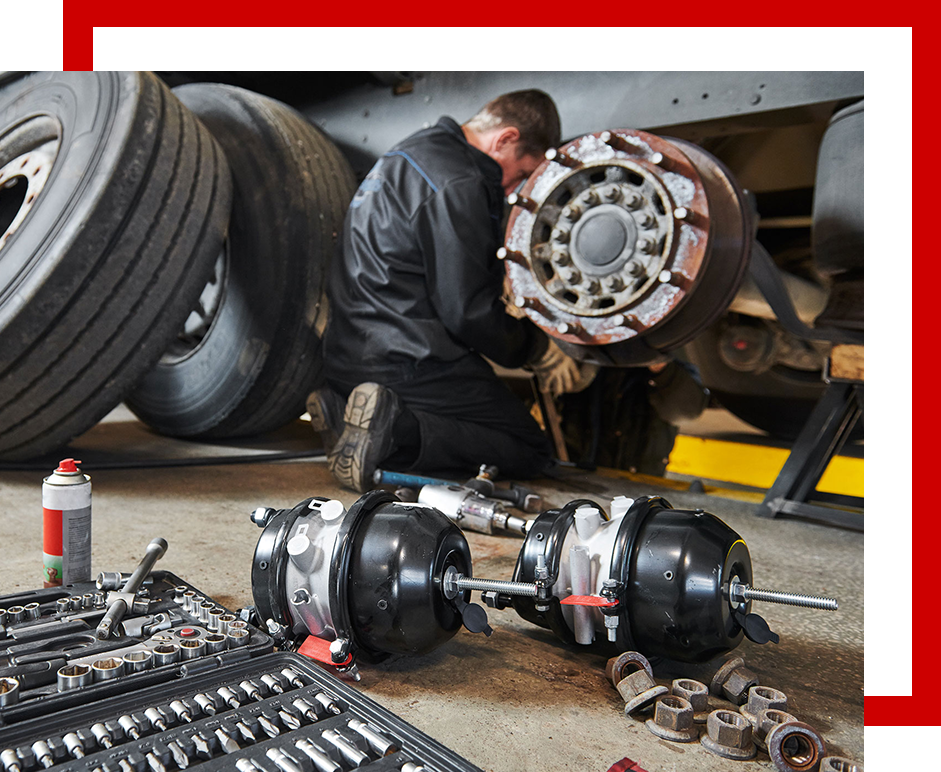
x=201, y=318
x=28, y=153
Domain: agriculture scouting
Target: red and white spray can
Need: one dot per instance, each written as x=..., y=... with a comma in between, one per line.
x=66, y=525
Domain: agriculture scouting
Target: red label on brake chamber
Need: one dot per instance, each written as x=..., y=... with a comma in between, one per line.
x=318, y=649
x=587, y=600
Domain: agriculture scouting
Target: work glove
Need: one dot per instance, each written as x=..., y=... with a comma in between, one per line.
x=556, y=371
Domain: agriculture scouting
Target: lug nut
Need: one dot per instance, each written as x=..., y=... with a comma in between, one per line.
x=632, y=675
x=696, y=694
x=733, y=680
x=673, y=720
x=766, y=720
x=614, y=283
x=762, y=698
x=840, y=764
x=571, y=275
x=795, y=746
x=633, y=201
x=648, y=246
x=729, y=735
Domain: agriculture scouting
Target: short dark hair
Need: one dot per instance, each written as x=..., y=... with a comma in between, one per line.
x=531, y=111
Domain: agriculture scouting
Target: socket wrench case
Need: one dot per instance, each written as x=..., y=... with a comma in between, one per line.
x=315, y=723
x=246, y=708
x=180, y=628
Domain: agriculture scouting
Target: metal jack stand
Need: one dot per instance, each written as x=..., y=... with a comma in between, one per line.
x=822, y=437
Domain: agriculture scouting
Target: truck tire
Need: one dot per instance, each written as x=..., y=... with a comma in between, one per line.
x=252, y=353
x=113, y=205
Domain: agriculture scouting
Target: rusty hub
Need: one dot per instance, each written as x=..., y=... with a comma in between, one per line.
x=624, y=245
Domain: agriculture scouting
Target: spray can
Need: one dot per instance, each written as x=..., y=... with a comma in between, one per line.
x=66, y=526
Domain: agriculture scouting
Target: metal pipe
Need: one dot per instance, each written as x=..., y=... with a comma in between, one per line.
x=119, y=606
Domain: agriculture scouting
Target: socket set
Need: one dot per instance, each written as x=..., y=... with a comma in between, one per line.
x=51, y=657
x=181, y=682
x=278, y=712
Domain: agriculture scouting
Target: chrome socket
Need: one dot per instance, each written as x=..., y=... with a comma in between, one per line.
x=15, y=615
x=192, y=648
x=224, y=621
x=237, y=637
x=204, y=608
x=107, y=668
x=9, y=692
x=63, y=606
x=135, y=661
x=215, y=642
x=73, y=677
x=32, y=610
x=166, y=654
x=213, y=617
x=187, y=601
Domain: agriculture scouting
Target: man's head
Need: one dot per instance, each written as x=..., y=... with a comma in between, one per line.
x=515, y=130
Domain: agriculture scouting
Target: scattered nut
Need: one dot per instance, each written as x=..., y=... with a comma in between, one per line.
x=639, y=691
x=762, y=698
x=673, y=720
x=620, y=666
x=733, y=680
x=795, y=747
x=696, y=693
x=840, y=764
x=729, y=735
x=767, y=719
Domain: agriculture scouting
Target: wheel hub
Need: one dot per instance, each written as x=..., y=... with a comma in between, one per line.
x=613, y=236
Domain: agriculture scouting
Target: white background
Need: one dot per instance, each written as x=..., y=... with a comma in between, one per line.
x=32, y=35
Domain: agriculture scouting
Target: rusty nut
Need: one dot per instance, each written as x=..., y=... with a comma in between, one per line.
x=639, y=691
x=696, y=694
x=767, y=720
x=762, y=698
x=673, y=720
x=626, y=663
x=733, y=680
x=840, y=764
x=729, y=735
x=795, y=747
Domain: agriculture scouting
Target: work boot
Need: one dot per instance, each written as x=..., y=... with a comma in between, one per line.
x=326, y=416
x=367, y=438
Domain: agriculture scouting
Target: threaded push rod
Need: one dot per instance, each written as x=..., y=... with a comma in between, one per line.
x=745, y=592
x=510, y=588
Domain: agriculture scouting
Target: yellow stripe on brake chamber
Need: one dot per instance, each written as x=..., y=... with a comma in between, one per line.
x=756, y=465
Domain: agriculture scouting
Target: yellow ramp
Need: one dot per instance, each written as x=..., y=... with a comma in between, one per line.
x=756, y=465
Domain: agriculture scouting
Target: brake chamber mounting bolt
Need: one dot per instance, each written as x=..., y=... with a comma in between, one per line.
x=740, y=593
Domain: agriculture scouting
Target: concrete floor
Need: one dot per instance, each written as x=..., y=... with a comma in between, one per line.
x=519, y=700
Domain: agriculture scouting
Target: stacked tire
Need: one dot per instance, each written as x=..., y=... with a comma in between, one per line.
x=166, y=248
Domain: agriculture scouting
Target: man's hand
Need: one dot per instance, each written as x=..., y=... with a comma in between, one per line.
x=557, y=371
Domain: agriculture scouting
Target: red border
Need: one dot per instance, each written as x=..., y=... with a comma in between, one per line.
x=902, y=265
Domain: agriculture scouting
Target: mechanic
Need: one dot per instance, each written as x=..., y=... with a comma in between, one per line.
x=416, y=304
